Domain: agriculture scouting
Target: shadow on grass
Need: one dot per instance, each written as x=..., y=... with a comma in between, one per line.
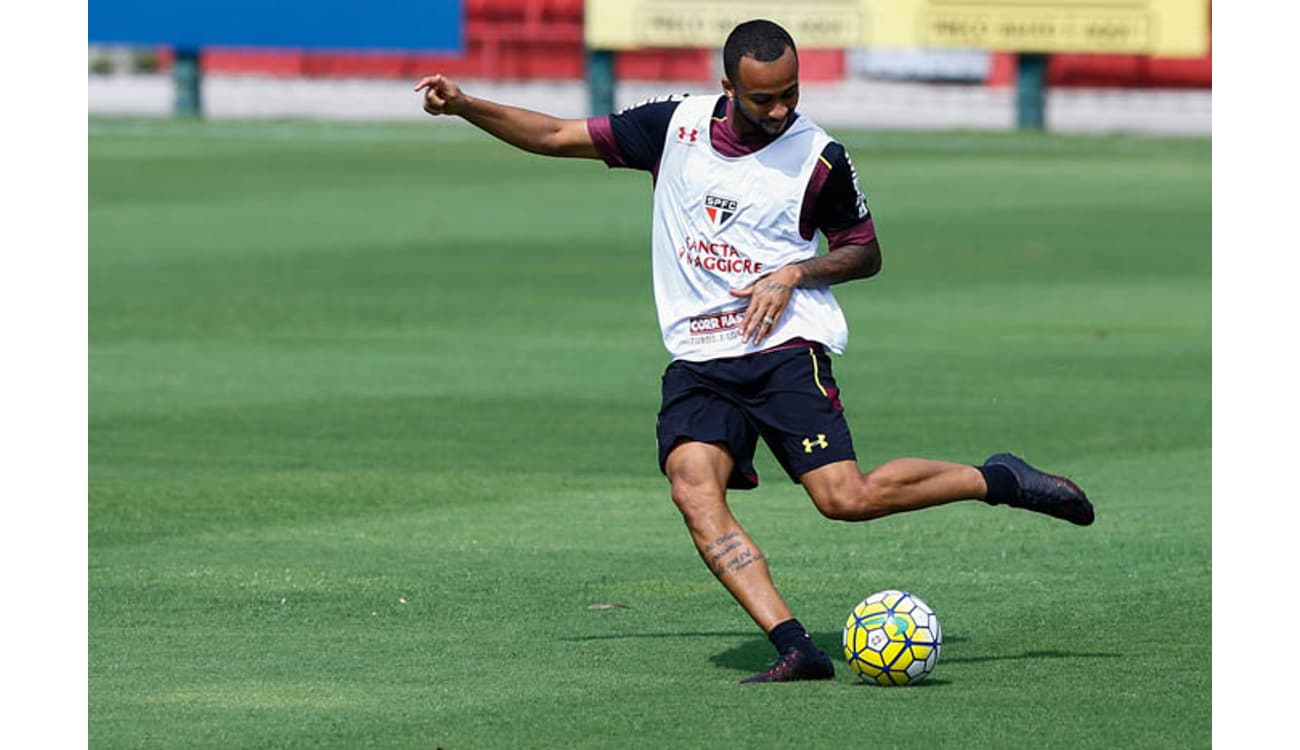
x=1048, y=654
x=700, y=634
x=757, y=653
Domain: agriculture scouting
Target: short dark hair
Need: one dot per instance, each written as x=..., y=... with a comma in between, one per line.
x=760, y=39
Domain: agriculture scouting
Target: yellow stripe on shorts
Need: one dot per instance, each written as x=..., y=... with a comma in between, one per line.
x=816, y=374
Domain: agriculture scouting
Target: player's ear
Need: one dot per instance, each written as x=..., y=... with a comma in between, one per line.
x=727, y=87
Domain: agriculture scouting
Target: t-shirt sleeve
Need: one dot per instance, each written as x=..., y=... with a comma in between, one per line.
x=838, y=208
x=634, y=138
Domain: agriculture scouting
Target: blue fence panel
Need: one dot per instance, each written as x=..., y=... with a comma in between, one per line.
x=414, y=25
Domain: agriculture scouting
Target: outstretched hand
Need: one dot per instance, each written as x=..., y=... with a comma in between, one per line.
x=768, y=297
x=441, y=94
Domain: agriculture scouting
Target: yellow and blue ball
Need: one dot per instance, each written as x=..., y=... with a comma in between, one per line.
x=892, y=638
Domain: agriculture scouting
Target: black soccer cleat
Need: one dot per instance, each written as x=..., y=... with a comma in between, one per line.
x=796, y=664
x=1045, y=493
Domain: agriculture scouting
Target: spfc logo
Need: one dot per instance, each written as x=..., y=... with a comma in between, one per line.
x=719, y=210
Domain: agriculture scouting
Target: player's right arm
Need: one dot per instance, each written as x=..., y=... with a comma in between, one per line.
x=523, y=128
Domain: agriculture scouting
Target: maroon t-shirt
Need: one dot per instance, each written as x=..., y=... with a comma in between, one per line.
x=634, y=138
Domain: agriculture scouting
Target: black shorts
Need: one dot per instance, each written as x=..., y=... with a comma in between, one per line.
x=787, y=395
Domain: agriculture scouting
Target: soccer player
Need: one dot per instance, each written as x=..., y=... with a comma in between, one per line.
x=742, y=184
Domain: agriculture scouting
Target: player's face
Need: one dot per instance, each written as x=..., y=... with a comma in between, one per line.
x=766, y=93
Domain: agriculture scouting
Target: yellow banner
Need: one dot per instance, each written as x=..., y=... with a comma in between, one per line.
x=1174, y=28
x=627, y=24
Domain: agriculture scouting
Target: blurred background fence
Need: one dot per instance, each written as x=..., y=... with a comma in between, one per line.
x=532, y=52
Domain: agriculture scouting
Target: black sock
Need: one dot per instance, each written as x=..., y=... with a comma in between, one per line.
x=789, y=636
x=1001, y=482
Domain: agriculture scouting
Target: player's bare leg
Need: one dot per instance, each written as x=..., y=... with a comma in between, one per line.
x=698, y=473
x=841, y=491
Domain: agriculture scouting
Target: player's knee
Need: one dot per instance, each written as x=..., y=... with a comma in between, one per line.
x=843, y=499
x=697, y=499
x=857, y=496
x=838, y=509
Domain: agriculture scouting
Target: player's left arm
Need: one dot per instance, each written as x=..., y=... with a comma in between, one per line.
x=839, y=211
x=840, y=264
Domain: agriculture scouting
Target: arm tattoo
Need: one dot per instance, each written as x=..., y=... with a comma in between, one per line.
x=768, y=284
x=841, y=264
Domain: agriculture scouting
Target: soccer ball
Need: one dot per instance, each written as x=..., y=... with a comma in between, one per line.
x=892, y=638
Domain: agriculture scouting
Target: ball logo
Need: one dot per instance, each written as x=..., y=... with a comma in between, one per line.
x=890, y=621
x=687, y=136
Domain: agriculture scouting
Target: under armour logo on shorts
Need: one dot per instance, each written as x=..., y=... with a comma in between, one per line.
x=820, y=442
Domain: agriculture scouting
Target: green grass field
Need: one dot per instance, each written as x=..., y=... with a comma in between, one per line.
x=371, y=429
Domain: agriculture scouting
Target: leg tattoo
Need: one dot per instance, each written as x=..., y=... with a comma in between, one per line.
x=729, y=554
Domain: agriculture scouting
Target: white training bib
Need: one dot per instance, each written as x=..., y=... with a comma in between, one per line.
x=721, y=223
